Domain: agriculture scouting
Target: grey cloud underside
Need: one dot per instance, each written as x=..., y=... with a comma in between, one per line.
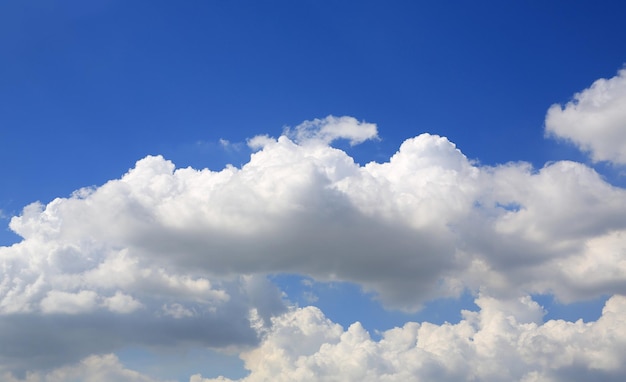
x=43, y=341
x=34, y=342
x=348, y=246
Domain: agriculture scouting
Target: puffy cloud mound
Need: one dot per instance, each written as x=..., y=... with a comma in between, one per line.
x=504, y=341
x=595, y=120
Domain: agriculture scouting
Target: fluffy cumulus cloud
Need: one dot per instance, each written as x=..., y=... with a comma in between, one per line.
x=179, y=257
x=504, y=341
x=595, y=120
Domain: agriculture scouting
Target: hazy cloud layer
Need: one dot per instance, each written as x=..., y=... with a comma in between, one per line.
x=105, y=368
x=595, y=120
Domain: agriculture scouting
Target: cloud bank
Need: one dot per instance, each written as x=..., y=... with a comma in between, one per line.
x=504, y=340
x=179, y=257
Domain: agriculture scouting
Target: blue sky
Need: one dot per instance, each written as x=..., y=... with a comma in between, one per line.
x=507, y=204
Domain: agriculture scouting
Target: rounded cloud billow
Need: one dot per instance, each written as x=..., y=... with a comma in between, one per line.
x=180, y=256
x=595, y=120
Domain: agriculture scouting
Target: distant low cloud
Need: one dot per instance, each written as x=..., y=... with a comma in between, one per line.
x=504, y=341
x=91, y=369
x=595, y=120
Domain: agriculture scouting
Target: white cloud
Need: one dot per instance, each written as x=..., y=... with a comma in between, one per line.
x=179, y=256
x=122, y=303
x=177, y=311
x=103, y=368
x=259, y=141
x=555, y=240
x=331, y=128
x=426, y=224
x=230, y=146
x=595, y=120
x=503, y=341
x=71, y=303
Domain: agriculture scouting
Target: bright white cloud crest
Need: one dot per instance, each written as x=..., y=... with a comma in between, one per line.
x=180, y=257
x=595, y=120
